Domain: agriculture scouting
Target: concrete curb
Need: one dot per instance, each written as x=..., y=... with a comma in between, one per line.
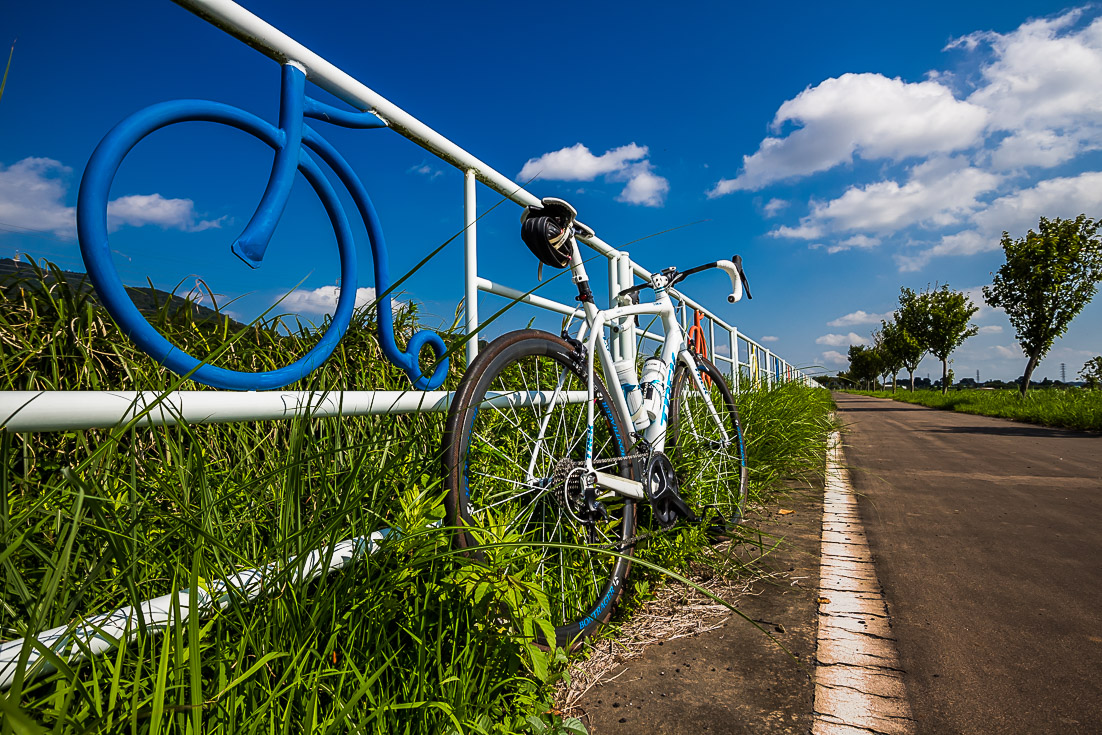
x=859, y=687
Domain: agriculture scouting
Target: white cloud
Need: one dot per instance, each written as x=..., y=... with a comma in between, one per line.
x=1014, y=352
x=769, y=338
x=324, y=300
x=577, y=163
x=861, y=242
x=1024, y=101
x=1059, y=197
x=627, y=163
x=1042, y=148
x=833, y=357
x=866, y=115
x=774, y=206
x=975, y=294
x=805, y=231
x=939, y=192
x=842, y=340
x=153, y=209
x=1016, y=213
x=860, y=317
x=33, y=192
x=991, y=329
x=1041, y=87
x=644, y=187
x=425, y=170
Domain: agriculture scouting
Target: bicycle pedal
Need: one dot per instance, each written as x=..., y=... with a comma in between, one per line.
x=720, y=528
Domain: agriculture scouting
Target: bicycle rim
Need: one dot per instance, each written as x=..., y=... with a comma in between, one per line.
x=711, y=468
x=513, y=475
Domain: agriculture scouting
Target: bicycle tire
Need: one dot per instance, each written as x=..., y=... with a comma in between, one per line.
x=706, y=466
x=495, y=457
x=93, y=236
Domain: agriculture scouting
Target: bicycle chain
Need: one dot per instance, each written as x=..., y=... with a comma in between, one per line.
x=561, y=473
x=608, y=462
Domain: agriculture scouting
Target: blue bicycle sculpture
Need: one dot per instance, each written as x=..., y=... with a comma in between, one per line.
x=293, y=142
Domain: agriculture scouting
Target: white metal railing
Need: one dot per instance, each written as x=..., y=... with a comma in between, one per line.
x=747, y=359
x=32, y=411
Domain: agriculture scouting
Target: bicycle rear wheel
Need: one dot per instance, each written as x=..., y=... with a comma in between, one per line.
x=711, y=467
x=513, y=476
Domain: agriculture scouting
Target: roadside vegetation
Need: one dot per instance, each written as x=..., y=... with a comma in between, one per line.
x=414, y=639
x=1047, y=279
x=1070, y=408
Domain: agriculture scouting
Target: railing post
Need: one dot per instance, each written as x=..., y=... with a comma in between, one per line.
x=470, y=262
x=735, y=367
x=616, y=344
x=712, y=339
x=769, y=368
x=626, y=279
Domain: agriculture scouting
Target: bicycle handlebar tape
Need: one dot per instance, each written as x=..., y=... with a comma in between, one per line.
x=253, y=241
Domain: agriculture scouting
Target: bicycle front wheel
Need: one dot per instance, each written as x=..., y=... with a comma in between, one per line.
x=515, y=448
x=705, y=442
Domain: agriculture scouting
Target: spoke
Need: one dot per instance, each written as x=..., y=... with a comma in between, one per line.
x=518, y=483
x=593, y=576
x=515, y=423
x=563, y=373
x=497, y=452
x=534, y=489
x=526, y=515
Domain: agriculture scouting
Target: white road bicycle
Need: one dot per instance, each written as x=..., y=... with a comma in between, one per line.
x=546, y=469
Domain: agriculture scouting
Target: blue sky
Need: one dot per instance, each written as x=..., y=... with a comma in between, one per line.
x=842, y=151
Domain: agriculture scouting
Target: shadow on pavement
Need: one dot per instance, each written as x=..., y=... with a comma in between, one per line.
x=892, y=406
x=1016, y=430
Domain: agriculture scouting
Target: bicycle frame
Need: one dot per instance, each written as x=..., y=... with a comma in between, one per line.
x=674, y=348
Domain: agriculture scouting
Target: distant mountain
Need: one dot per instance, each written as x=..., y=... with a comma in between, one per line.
x=18, y=275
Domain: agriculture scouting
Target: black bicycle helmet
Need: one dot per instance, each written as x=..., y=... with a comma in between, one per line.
x=546, y=230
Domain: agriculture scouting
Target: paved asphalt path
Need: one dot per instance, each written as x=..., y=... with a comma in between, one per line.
x=987, y=536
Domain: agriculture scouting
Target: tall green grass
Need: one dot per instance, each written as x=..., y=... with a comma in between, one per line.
x=414, y=639
x=1069, y=408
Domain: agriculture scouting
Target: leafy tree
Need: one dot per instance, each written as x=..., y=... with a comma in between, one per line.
x=864, y=363
x=947, y=315
x=912, y=320
x=895, y=346
x=1092, y=372
x=1047, y=279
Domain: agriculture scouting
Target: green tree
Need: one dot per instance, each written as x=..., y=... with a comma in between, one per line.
x=864, y=363
x=895, y=346
x=912, y=317
x=1047, y=279
x=947, y=315
x=1092, y=372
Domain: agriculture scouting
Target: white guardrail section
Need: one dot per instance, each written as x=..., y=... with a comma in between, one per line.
x=36, y=411
x=31, y=411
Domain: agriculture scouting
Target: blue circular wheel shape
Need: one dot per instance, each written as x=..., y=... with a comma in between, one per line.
x=92, y=232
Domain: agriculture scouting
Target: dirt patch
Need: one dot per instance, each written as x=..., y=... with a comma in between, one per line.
x=686, y=664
